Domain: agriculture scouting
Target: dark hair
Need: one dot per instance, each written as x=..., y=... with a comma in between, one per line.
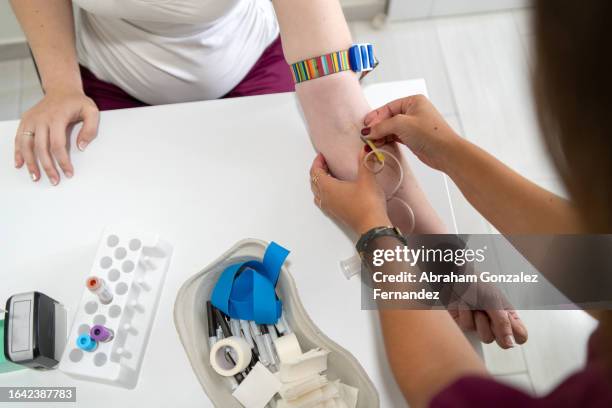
x=573, y=92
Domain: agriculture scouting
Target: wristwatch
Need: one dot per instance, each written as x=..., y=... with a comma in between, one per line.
x=385, y=231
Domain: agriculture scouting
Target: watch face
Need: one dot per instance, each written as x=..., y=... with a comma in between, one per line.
x=379, y=232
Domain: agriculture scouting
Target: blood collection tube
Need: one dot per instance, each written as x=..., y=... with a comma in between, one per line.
x=85, y=342
x=101, y=333
x=98, y=287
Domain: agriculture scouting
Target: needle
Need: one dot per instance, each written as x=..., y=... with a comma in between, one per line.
x=379, y=155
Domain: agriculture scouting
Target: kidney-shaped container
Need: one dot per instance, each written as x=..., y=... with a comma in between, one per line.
x=190, y=321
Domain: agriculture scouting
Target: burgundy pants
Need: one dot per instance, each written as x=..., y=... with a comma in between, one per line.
x=270, y=74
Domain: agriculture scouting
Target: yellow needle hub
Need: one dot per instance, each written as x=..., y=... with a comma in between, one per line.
x=379, y=155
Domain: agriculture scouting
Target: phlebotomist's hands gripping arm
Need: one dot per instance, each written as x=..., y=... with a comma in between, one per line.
x=42, y=136
x=426, y=349
x=334, y=105
x=507, y=200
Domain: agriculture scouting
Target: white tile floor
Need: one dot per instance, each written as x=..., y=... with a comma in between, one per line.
x=477, y=71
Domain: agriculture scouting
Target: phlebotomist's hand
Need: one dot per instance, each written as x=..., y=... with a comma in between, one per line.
x=359, y=204
x=415, y=122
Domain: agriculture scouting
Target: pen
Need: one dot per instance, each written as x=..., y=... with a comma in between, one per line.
x=259, y=341
x=282, y=326
x=247, y=333
x=269, y=346
x=212, y=331
x=255, y=353
x=219, y=333
x=287, y=327
x=272, y=330
x=235, y=327
x=254, y=360
x=222, y=322
x=228, y=356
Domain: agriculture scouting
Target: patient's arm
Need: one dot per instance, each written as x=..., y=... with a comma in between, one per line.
x=334, y=105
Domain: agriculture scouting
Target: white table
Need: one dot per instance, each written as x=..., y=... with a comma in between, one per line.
x=204, y=175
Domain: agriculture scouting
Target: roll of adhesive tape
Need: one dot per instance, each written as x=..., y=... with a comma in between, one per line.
x=240, y=353
x=288, y=348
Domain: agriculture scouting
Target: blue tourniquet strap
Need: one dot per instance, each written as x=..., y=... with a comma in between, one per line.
x=247, y=290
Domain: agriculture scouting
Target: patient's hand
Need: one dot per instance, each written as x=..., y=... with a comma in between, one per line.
x=499, y=325
x=493, y=317
x=42, y=136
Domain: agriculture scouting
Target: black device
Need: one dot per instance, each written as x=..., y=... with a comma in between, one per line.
x=34, y=330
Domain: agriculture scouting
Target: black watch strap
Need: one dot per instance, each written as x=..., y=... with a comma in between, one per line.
x=386, y=231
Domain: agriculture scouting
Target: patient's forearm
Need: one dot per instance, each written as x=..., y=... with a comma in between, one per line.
x=334, y=106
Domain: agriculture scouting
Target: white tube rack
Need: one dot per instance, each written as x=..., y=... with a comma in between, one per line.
x=134, y=267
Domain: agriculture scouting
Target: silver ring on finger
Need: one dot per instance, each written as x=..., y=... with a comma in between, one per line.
x=28, y=133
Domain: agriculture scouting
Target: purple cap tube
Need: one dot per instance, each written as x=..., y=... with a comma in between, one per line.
x=101, y=333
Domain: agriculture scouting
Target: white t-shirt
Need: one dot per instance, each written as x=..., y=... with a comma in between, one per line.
x=167, y=51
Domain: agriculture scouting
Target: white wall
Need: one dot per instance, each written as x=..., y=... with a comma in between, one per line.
x=355, y=9
x=363, y=9
x=410, y=9
x=9, y=28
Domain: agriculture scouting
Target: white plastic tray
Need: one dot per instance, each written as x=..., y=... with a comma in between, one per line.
x=134, y=267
